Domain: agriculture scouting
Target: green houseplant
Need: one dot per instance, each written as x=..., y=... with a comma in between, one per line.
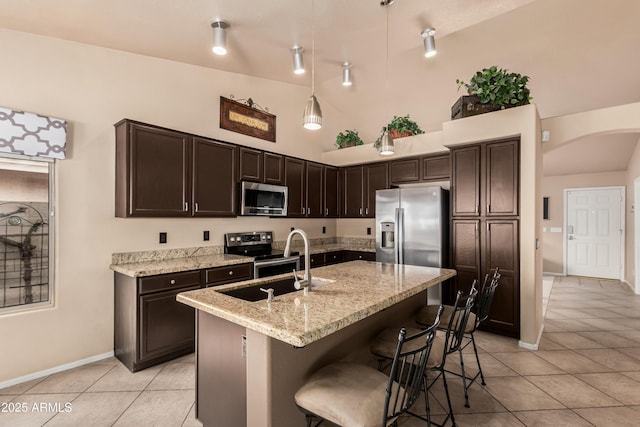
x=498, y=87
x=399, y=127
x=348, y=138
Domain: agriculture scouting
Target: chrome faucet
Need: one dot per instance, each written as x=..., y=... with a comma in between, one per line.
x=306, y=279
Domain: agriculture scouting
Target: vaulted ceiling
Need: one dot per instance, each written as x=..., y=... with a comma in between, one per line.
x=580, y=55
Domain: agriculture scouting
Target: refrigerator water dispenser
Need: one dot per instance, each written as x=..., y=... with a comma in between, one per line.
x=388, y=235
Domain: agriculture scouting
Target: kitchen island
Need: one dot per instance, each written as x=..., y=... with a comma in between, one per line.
x=253, y=356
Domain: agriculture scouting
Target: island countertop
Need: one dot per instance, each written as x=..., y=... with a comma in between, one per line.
x=359, y=289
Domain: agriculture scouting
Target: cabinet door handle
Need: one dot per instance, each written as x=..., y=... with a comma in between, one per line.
x=195, y=206
x=172, y=282
x=186, y=206
x=303, y=209
x=366, y=211
x=360, y=211
x=308, y=211
x=326, y=211
x=230, y=272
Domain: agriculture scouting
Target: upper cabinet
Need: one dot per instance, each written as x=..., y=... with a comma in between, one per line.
x=331, y=191
x=260, y=166
x=294, y=180
x=359, y=185
x=485, y=179
x=420, y=169
x=314, y=190
x=165, y=173
x=214, y=186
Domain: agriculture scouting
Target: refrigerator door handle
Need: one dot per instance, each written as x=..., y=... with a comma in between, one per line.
x=400, y=234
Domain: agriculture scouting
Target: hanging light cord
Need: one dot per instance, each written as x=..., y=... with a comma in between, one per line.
x=386, y=128
x=313, y=48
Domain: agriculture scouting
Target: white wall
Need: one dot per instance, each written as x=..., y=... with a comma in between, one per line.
x=93, y=88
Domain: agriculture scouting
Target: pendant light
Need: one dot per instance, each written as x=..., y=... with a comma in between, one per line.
x=387, y=147
x=346, y=74
x=312, y=118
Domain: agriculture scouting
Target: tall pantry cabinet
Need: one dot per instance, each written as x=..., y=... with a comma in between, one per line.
x=485, y=190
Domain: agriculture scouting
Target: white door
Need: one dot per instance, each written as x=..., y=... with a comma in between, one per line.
x=594, y=232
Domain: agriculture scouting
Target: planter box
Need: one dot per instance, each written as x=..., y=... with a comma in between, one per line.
x=470, y=105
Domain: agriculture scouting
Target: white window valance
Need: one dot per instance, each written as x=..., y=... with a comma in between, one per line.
x=30, y=134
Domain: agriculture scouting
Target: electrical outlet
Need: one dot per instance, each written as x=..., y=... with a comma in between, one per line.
x=368, y=231
x=292, y=228
x=324, y=230
x=163, y=237
x=205, y=236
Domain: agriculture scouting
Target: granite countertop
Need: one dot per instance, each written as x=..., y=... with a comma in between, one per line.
x=330, y=247
x=153, y=267
x=360, y=289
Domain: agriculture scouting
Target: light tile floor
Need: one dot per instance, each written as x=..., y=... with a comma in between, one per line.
x=586, y=373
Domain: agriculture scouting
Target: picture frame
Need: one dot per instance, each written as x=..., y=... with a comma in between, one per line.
x=244, y=119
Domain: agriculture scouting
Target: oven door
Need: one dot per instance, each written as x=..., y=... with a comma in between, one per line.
x=272, y=267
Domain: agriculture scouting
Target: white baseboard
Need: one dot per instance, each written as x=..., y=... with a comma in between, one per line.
x=55, y=369
x=530, y=346
x=544, y=273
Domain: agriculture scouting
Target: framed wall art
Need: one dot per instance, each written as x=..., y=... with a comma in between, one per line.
x=246, y=119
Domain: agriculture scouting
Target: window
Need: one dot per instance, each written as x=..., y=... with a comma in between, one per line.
x=25, y=230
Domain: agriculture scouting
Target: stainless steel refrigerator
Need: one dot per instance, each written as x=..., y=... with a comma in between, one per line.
x=412, y=227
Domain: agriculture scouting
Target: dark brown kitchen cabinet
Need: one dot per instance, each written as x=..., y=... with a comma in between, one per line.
x=150, y=326
x=228, y=274
x=436, y=167
x=501, y=249
x=260, y=166
x=404, y=171
x=273, y=168
x=502, y=178
x=153, y=176
x=465, y=181
x=359, y=185
x=313, y=190
x=294, y=179
x=333, y=257
x=485, y=226
x=331, y=191
x=250, y=164
x=214, y=185
x=165, y=173
x=352, y=191
x=359, y=256
x=376, y=178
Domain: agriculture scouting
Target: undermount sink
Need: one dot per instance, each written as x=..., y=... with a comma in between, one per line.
x=280, y=287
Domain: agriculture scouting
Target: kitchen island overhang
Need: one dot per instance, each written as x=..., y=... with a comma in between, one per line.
x=284, y=342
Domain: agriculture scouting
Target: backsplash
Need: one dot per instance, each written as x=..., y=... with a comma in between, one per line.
x=165, y=254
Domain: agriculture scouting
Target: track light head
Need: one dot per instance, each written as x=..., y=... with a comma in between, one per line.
x=298, y=63
x=346, y=74
x=429, y=42
x=219, y=37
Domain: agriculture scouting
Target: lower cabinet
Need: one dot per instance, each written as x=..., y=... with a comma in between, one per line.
x=478, y=247
x=335, y=257
x=150, y=326
x=359, y=255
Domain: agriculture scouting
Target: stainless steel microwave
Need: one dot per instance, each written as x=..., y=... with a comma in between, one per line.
x=263, y=199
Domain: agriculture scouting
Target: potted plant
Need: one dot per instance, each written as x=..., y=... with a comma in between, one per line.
x=399, y=127
x=491, y=89
x=348, y=138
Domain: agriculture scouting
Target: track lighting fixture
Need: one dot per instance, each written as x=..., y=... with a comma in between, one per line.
x=219, y=37
x=429, y=42
x=346, y=74
x=312, y=117
x=298, y=64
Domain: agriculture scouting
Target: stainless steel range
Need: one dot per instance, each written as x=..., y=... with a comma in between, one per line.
x=257, y=244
